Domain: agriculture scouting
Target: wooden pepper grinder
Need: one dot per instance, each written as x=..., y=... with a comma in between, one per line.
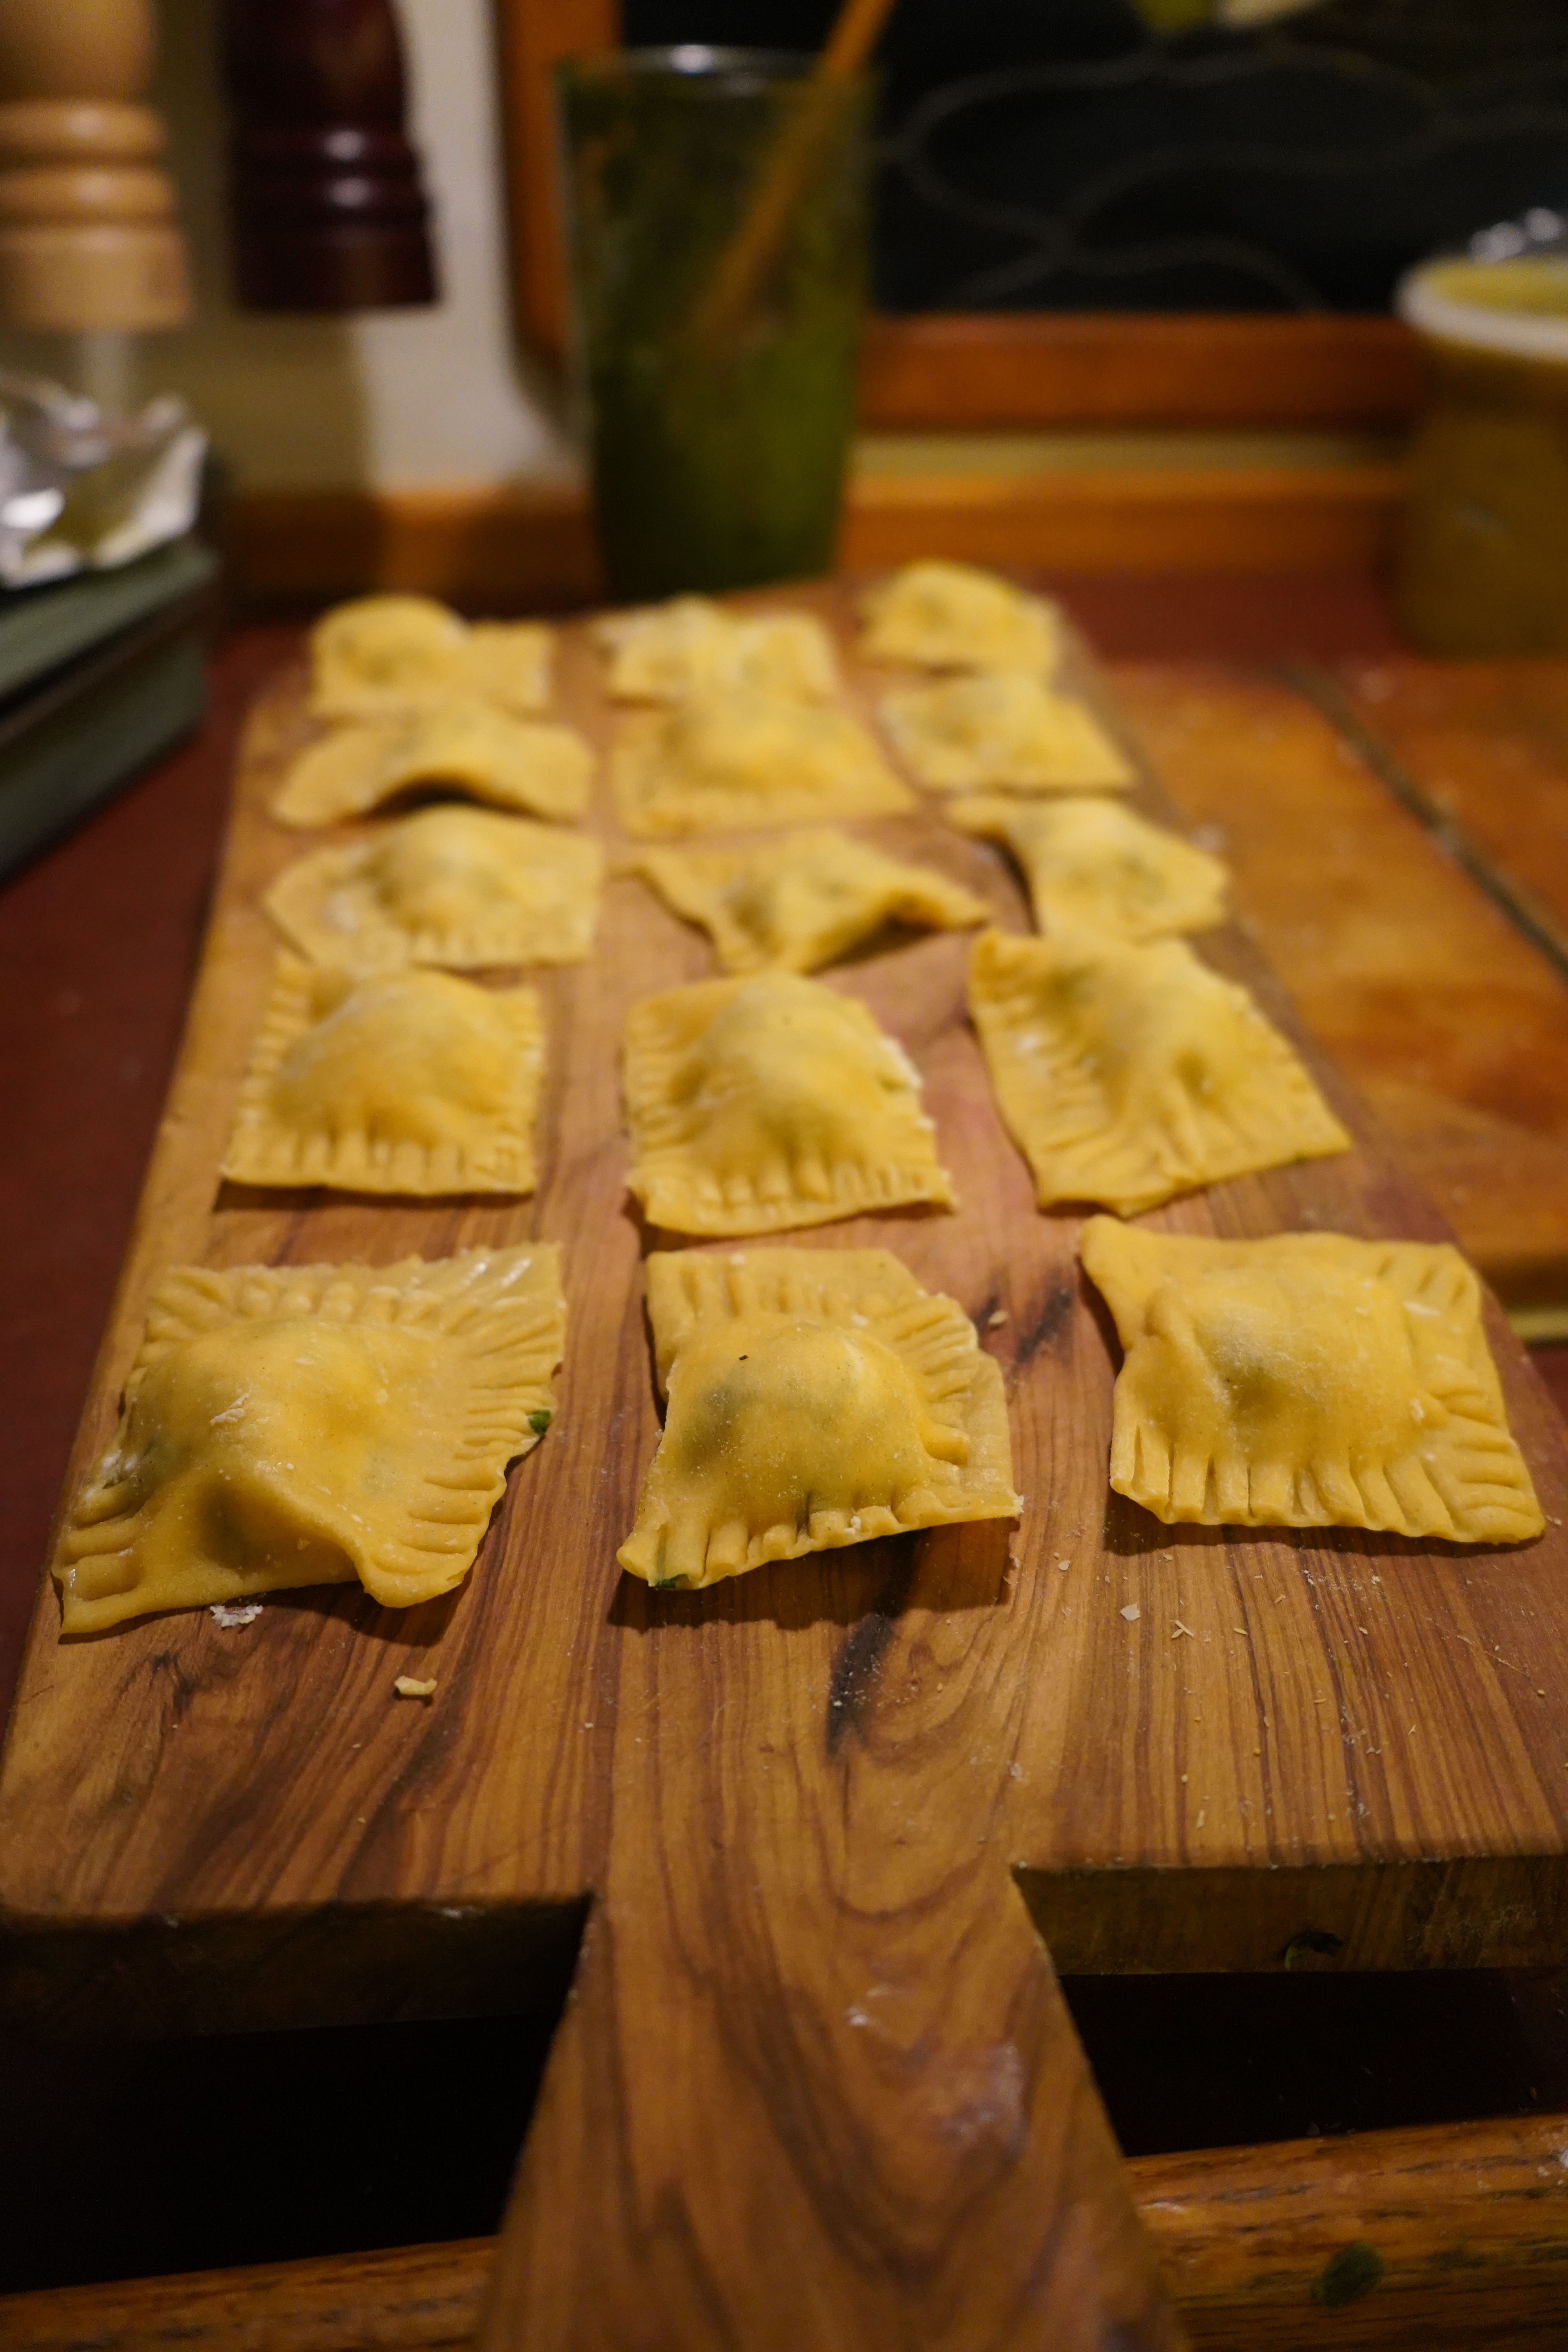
x=329, y=209
x=88, y=240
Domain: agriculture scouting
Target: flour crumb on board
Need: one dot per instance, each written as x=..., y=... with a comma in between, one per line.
x=994, y=1322
x=1064, y=1563
x=1176, y=1637
x=1132, y=1613
x=230, y=1614
x=410, y=1687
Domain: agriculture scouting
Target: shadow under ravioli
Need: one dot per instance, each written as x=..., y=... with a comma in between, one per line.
x=1308, y=1379
x=815, y=1398
x=296, y=1426
x=413, y=1082
x=1130, y=1074
x=447, y=886
x=759, y=1104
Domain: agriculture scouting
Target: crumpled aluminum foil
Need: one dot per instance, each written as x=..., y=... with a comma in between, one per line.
x=84, y=489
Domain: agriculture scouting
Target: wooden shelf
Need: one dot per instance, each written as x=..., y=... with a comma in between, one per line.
x=517, y=546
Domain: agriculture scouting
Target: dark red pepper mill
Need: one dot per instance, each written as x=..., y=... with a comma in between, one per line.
x=330, y=212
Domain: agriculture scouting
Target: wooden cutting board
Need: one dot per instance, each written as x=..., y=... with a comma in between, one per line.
x=815, y=2083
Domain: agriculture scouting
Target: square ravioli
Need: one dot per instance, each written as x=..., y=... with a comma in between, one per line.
x=308, y=1425
x=411, y=1081
x=1001, y=733
x=1130, y=1074
x=735, y=757
x=792, y=905
x=940, y=615
x=759, y=1104
x=463, y=747
x=815, y=1398
x=1308, y=1380
x=394, y=656
x=1092, y=865
x=666, y=652
x=450, y=885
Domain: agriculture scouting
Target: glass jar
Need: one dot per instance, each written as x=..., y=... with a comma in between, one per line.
x=719, y=402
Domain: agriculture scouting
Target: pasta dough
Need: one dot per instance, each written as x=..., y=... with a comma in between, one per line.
x=764, y=1103
x=464, y=747
x=447, y=886
x=1308, y=1380
x=690, y=644
x=735, y=757
x=295, y=1425
x=816, y=1398
x=1092, y=865
x=799, y=902
x=940, y=615
x=1002, y=733
x=395, y=656
x=1130, y=1074
x=414, y=1082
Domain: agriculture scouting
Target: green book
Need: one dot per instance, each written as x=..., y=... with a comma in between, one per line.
x=99, y=675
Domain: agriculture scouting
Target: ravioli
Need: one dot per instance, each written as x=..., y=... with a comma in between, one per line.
x=800, y=902
x=410, y=1082
x=464, y=747
x=1130, y=1074
x=690, y=645
x=1092, y=865
x=296, y=1426
x=396, y=657
x=1001, y=733
x=816, y=1398
x=447, y=886
x=939, y=615
x=764, y=1103
x=1308, y=1380
x=732, y=756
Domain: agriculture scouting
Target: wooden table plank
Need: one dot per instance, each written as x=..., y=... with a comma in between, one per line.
x=1262, y=2250
x=1453, y=1027
x=1485, y=743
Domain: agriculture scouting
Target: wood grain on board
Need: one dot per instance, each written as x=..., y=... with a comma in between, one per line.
x=815, y=2075
x=1451, y=1024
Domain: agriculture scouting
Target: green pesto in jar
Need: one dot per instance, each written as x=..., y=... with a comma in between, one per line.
x=713, y=467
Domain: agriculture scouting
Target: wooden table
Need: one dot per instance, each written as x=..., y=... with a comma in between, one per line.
x=1172, y=709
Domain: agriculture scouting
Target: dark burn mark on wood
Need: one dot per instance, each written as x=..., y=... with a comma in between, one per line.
x=1047, y=1325
x=180, y=1684
x=852, y=1684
